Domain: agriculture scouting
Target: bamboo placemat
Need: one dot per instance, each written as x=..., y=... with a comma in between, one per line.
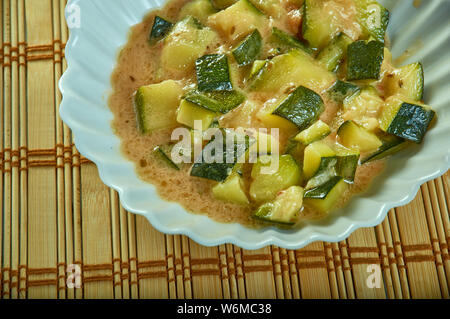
x=57, y=213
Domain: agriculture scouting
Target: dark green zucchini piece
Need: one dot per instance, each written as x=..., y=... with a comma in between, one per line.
x=285, y=42
x=391, y=145
x=346, y=166
x=213, y=73
x=302, y=107
x=326, y=171
x=160, y=29
x=323, y=198
x=219, y=170
x=341, y=89
x=407, y=120
x=334, y=53
x=257, y=69
x=249, y=49
x=364, y=60
x=217, y=101
x=163, y=152
x=373, y=18
x=284, y=210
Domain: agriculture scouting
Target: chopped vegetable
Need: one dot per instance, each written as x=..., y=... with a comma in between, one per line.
x=302, y=107
x=373, y=18
x=284, y=42
x=314, y=133
x=156, y=105
x=340, y=90
x=249, y=49
x=333, y=54
x=326, y=196
x=272, y=174
x=407, y=81
x=406, y=119
x=313, y=157
x=284, y=209
x=189, y=112
x=364, y=60
x=160, y=29
x=213, y=73
x=231, y=190
x=217, y=101
x=199, y=9
x=222, y=4
x=391, y=145
x=355, y=137
x=164, y=153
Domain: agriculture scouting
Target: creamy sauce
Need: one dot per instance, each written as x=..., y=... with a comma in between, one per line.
x=138, y=65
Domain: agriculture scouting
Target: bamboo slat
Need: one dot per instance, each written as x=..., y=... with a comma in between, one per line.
x=56, y=213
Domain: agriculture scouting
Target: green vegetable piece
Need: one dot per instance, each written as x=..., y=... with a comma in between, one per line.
x=160, y=29
x=213, y=73
x=163, y=152
x=285, y=42
x=373, y=18
x=318, y=131
x=217, y=101
x=334, y=53
x=284, y=210
x=346, y=166
x=249, y=49
x=326, y=171
x=406, y=120
x=222, y=4
x=302, y=107
x=339, y=91
x=364, y=60
x=219, y=170
x=325, y=197
x=391, y=145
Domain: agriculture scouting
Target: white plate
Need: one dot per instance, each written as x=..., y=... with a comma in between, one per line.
x=91, y=55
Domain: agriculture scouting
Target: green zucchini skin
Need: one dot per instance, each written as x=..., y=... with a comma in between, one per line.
x=391, y=145
x=341, y=89
x=217, y=101
x=249, y=49
x=160, y=29
x=346, y=167
x=302, y=107
x=411, y=122
x=163, y=152
x=213, y=73
x=325, y=172
x=284, y=42
x=220, y=171
x=321, y=192
x=333, y=54
x=364, y=60
x=367, y=20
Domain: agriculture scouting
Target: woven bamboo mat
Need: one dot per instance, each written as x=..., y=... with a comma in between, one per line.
x=56, y=213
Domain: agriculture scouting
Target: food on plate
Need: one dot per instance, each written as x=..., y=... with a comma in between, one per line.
x=265, y=112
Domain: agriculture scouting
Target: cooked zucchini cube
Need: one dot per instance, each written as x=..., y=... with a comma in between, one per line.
x=341, y=90
x=391, y=145
x=334, y=53
x=218, y=170
x=355, y=137
x=265, y=115
x=364, y=60
x=314, y=133
x=187, y=41
x=285, y=209
x=163, y=152
x=217, y=101
x=189, y=112
x=294, y=68
x=156, y=105
x=302, y=107
x=284, y=42
x=313, y=157
x=406, y=119
x=213, y=73
x=326, y=196
x=238, y=20
x=373, y=18
x=407, y=81
x=231, y=190
x=199, y=9
x=270, y=177
x=346, y=166
x=160, y=29
x=327, y=170
x=256, y=69
x=249, y=49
